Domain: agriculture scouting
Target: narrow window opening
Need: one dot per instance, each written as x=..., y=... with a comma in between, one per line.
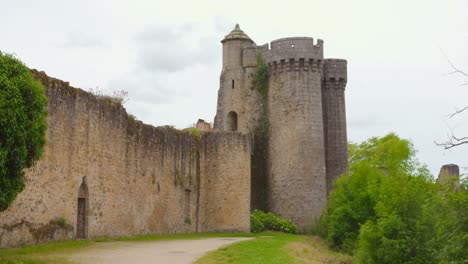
x=232, y=84
x=232, y=121
x=187, y=219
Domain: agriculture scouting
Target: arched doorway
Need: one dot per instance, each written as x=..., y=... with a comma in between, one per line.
x=82, y=211
x=232, y=121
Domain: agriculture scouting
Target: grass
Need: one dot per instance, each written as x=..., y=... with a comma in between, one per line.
x=47, y=253
x=268, y=247
x=30, y=254
x=278, y=248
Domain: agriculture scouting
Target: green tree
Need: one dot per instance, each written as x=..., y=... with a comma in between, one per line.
x=388, y=209
x=379, y=209
x=23, y=113
x=452, y=221
x=404, y=225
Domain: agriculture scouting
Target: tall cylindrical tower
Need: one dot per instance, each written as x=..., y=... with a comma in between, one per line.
x=297, y=178
x=231, y=113
x=334, y=78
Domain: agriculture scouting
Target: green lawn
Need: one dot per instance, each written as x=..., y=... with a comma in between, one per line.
x=39, y=254
x=267, y=247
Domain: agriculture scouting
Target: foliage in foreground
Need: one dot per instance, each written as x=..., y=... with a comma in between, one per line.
x=387, y=208
x=261, y=221
x=23, y=125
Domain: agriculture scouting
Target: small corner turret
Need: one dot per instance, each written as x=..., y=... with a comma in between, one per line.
x=233, y=46
x=236, y=34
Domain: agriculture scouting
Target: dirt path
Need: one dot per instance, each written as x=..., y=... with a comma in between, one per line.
x=172, y=252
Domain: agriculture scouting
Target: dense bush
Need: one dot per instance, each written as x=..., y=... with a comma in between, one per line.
x=22, y=125
x=255, y=224
x=387, y=208
x=269, y=221
x=452, y=221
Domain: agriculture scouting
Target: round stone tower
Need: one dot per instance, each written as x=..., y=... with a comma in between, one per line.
x=334, y=78
x=297, y=177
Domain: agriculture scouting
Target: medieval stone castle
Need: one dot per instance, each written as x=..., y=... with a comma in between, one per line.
x=106, y=174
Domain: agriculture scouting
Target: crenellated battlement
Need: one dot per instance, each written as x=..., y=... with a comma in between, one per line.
x=294, y=48
x=335, y=69
x=295, y=64
x=295, y=42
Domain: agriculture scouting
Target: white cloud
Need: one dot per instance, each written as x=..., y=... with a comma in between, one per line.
x=81, y=40
x=175, y=48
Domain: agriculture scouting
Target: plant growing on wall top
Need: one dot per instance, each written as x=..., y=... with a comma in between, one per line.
x=260, y=78
x=117, y=97
x=23, y=113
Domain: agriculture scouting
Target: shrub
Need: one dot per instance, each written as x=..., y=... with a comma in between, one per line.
x=23, y=113
x=195, y=132
x=60, y=222
x=255, y=224
x=453, y=223
x=260, y=79
x=273, y=222
x=350, y=205
x=117, y=97
x=404, y=226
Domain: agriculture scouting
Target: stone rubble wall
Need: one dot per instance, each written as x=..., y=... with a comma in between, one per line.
x=141, y=179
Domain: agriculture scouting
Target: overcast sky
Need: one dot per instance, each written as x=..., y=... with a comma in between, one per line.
x=167, y=55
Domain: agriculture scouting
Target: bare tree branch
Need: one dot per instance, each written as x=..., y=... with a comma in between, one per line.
x=458, y=112
x=456, y=70
x=453, y=141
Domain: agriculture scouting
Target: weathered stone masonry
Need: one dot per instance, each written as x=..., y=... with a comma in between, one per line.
x=305, y=146
x=132, y=178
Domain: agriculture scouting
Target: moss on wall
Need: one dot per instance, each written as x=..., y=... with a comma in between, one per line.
x=260, y=79
x=259, y=164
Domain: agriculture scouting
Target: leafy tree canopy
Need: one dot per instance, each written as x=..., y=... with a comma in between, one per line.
x=388, y=209
x=23, y=113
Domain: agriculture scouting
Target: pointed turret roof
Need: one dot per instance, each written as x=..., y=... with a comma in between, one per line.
x=236, y=33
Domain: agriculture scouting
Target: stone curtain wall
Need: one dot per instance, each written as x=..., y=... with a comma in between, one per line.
x=140, y=179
